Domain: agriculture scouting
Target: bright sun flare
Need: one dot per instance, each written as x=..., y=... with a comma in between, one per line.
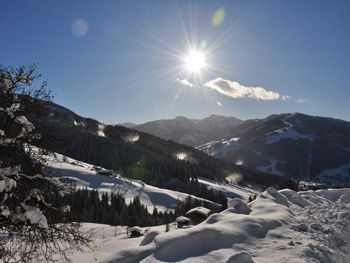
x=195, y=61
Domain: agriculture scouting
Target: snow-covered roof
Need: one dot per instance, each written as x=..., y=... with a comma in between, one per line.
x=182, y=219
x=200, y=209
x=136, y=228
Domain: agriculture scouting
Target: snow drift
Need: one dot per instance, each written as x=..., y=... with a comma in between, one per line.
x=285, y=225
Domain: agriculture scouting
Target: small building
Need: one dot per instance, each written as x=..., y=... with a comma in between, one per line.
x=198, y=214
x=182, y=221
x=135, y=231
x=105, y=172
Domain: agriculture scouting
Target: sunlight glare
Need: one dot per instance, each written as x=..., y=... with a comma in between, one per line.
x=181, y=156
x=195, y=61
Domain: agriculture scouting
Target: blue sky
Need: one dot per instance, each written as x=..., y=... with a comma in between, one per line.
x=119, y=61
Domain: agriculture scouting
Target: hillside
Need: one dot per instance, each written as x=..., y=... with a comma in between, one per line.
x=190, y=131
x=133, y=154
x=297, y=145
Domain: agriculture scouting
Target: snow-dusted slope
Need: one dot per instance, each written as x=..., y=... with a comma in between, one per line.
x=220, y=148
x=87, y=175
x=230, y=190
x=295, y=145
x=279, y=226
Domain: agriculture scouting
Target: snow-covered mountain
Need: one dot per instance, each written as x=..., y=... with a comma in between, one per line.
x=134, y=154
x=279, y=226
x=297, y=145
x=190, y=131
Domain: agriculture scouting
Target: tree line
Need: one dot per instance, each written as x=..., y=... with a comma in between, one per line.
x=90, y=206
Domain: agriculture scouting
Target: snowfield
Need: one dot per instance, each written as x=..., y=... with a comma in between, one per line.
x=230, y=190
x=220, y=148
x=271, y=168
x=335, y=174
x=287, y=132
x=89, y=176
x=279, y=226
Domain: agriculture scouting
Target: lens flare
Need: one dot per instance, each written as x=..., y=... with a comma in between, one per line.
x=218, y=17
x=181, y=156
x=80, y=28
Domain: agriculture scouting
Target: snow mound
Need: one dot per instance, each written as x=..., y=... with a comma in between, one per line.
x=149, y=238
x=241, y=257
x=238, y=206
x=344, y=199
x=295, y=198
x=274, y=195
x=285, y=225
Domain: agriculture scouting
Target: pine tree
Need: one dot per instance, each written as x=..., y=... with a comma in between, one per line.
x=22, y=189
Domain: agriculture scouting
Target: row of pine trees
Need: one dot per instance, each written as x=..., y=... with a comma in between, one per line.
x=91, y=206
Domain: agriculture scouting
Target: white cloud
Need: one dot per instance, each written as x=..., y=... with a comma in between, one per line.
x=236, y=90
x=301, y=100
x=285, y=97
x=184, y=82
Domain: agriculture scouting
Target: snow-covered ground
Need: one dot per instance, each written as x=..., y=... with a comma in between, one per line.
x=220, y=148
x=92, y=177
x=230, y=190
x=279, y=226
x=310, y=226
x=270, y=168
x=287, y=132
x=335, y=174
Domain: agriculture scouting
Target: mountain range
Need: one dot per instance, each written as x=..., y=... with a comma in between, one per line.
x=133, y=154
x=193, y=132
x=292, y=144
x=161, y=152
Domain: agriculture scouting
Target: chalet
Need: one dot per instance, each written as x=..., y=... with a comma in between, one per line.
x=198, y=214
x=182, y=221
x=135, y=231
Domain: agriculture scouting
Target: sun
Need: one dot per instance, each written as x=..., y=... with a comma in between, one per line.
x=195, y=61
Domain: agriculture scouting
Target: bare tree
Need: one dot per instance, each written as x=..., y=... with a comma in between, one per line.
x=31, y=228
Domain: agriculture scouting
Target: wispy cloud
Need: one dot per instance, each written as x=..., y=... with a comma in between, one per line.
x=285, y=97
x=236, y=90
x=301, y=100
x=184, y=82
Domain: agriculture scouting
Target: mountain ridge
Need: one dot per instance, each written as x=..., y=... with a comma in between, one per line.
x=298, y=145
x=192, y=132
x=288, y=144
x=134, y=154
